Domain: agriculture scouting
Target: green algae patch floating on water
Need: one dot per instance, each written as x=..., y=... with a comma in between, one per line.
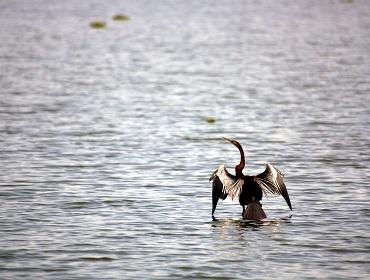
x=97, y=24
x=211, y=120
x=120, y=17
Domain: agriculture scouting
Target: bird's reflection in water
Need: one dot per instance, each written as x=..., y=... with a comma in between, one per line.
x=270, y=224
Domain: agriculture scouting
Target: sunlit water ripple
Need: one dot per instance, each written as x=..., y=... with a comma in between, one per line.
x=105, y=150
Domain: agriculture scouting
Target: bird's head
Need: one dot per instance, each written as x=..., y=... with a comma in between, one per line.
x=232, y=141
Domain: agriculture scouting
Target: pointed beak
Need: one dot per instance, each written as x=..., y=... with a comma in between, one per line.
x=232, y=141
x=229, y=140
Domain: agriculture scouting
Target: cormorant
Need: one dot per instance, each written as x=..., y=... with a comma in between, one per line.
x=249, y=189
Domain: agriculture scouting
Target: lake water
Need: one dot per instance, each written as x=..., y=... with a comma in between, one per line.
x=105, y=148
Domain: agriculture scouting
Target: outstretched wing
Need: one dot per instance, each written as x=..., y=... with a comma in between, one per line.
x=272, y=181
x=224, y=184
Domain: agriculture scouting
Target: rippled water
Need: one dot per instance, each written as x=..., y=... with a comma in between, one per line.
x=105, y=151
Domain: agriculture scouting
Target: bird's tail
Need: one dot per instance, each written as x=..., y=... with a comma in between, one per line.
x=254, y=212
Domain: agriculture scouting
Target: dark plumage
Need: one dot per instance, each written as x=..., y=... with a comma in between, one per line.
x=249, y=189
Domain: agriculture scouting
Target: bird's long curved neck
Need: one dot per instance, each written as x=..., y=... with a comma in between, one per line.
x=239, y=168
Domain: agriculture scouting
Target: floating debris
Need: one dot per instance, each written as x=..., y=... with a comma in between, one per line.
x=120, y=17
x=211, y=120
x=98, y=24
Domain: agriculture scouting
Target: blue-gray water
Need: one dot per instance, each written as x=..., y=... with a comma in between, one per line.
x=105, y=151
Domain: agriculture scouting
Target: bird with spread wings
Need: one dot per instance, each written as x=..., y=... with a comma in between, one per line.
x=248, y=189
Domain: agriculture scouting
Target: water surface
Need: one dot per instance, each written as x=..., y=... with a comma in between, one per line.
x=105, y=151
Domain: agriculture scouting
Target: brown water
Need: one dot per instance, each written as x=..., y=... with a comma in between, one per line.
x=105, y=151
